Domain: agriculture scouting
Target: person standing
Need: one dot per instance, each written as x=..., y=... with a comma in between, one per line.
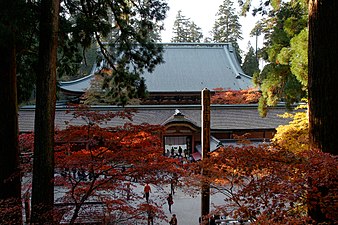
x=180, y=151
x=172, y=151
x=170, y=201
x=128, y=190
x=173, y=220
x=147, y=191
x=172, y=186
x=173, y=183
x=150, y=217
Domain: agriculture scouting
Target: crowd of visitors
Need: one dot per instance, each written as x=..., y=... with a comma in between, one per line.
x=183, y=155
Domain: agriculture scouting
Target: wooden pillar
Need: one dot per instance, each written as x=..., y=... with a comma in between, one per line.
x=205, y=138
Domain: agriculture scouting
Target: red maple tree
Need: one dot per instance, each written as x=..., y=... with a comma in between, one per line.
x=101, y=169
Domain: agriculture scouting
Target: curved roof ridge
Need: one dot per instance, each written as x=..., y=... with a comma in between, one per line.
x=233, y=59
x=177, y=116
x=77, y=80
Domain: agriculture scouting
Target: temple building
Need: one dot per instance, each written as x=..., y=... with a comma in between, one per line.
x=187, y=69
x=182, y=123
x=174, y=101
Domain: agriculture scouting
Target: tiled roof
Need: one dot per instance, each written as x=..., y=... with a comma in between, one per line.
x=192, y=68
x=223, y=117
x=188, y=68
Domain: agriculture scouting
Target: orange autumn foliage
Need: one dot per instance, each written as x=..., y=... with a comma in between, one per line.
x=248, y=96
x=271, y=186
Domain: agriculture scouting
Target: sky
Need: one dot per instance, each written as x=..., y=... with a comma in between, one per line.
x=203, y=13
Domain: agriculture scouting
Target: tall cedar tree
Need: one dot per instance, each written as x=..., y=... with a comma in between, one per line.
x=323, y=74
x=10, y=180
x=250, y=64
x=43, y=164
x=227, y=28
x=195, y=33
x=185, y=30
x=323, y=79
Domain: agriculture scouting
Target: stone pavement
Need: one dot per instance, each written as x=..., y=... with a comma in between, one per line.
x=186, y=208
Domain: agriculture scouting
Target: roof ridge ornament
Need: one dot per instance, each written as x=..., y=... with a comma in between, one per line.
x=178, y=113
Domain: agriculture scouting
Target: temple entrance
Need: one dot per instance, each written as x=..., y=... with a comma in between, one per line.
x=177, y=146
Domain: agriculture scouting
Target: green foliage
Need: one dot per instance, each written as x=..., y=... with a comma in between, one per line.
x=142, y=89
x=284, y=78
x=185, y=30
x=299, y=57
x=278, y=84
x=196, y=33
x=250, y=65
x=26, y=42
x=272, y=83
x=245, y=5
x=26, y=76
x=275, y=3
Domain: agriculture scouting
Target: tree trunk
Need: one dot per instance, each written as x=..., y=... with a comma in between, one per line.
x=323, y=82
x=10, y=177
x=43, y=164
x=323, y=75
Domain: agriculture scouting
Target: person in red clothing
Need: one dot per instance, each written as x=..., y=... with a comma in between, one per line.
x=147, y=190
